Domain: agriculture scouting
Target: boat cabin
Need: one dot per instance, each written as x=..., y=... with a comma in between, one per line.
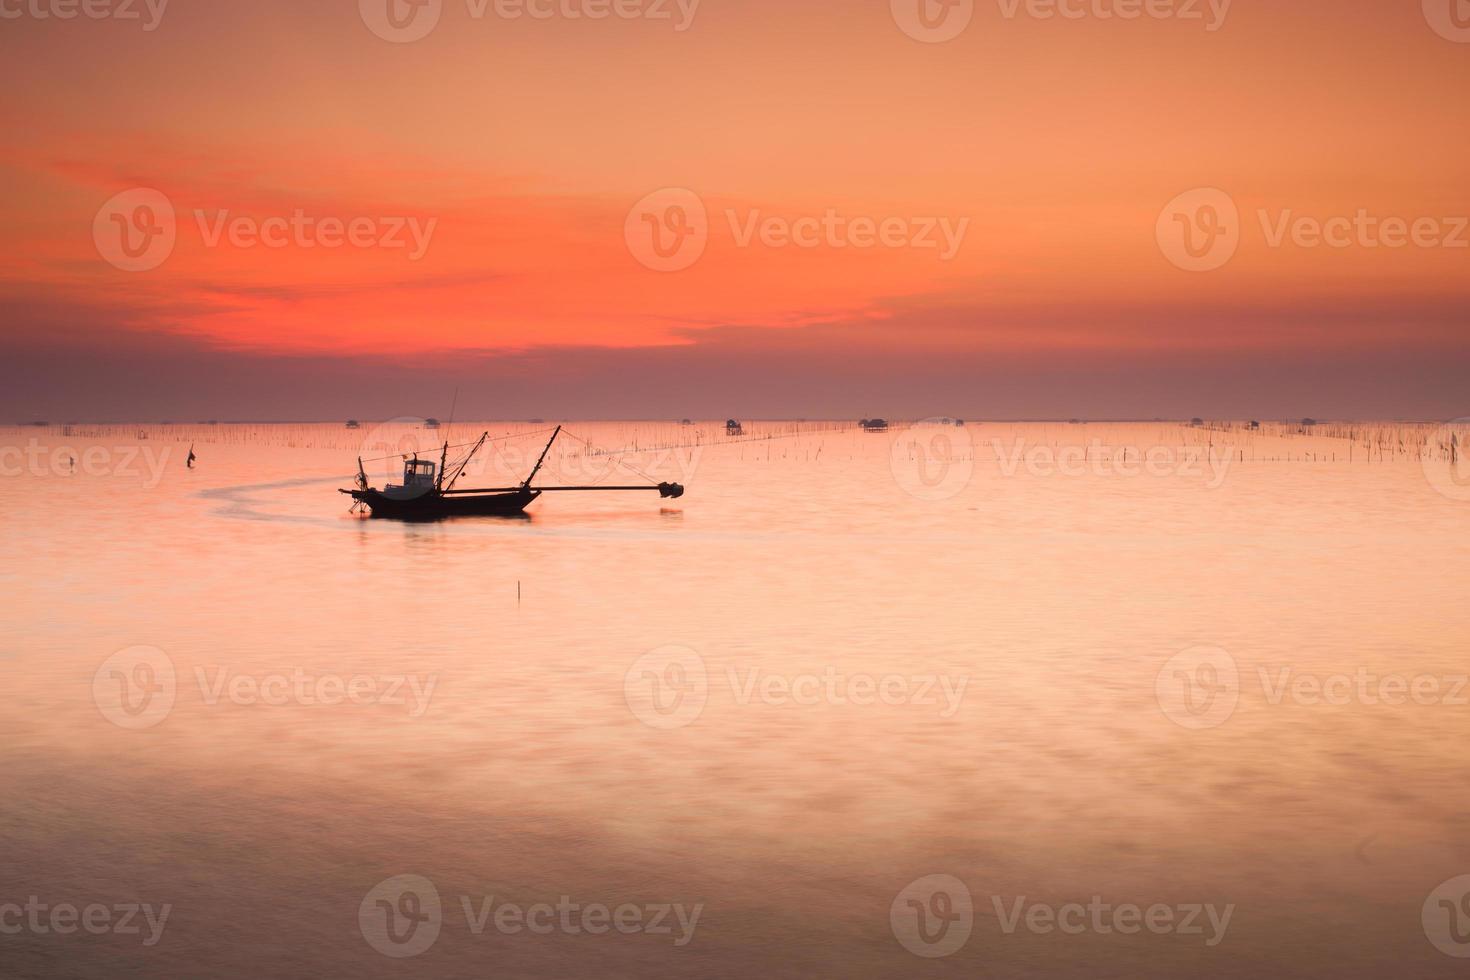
x=418, y=474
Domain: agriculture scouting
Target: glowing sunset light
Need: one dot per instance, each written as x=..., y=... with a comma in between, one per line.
x=334, y=192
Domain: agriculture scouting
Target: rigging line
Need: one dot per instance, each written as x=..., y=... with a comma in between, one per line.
x=729, y=441
x=686, y=445
x=375, y=459
x=461, y=445
x=617, y=460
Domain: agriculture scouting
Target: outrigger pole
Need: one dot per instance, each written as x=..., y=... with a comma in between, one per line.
x=664, y=489
x=535, y=469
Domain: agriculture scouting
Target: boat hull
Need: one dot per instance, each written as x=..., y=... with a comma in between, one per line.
x=434, y=506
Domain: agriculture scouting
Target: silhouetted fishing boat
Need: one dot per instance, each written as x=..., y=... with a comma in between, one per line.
x=426, y=494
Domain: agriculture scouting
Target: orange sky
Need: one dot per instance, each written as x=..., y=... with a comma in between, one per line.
x=522, y=144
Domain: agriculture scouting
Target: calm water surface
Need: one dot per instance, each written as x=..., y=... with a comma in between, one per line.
x=833, y=668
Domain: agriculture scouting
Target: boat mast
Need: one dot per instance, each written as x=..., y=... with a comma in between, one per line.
x=535, y=469
x=444, y=456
